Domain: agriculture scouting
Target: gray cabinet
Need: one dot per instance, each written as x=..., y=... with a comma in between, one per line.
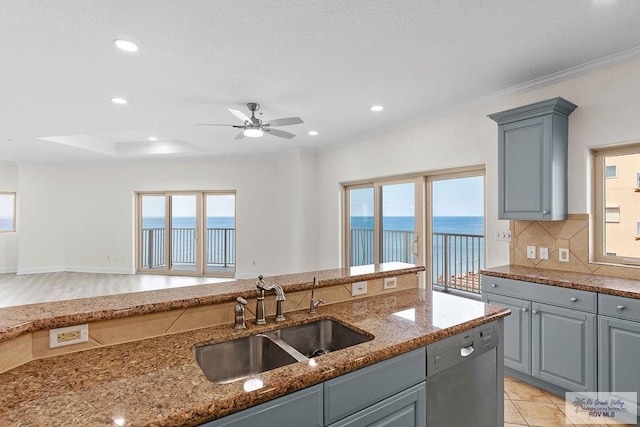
x=353, y=392
x=517, y=327
x=391, y=393
x=532, y=160
x=618, y=344
x=551, y=332
x=404, y=409
x=563, y=347
x=300, y=409
x=618, y=353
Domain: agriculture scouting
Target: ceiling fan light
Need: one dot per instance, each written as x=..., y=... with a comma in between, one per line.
x=125, y=45
x=253, y=133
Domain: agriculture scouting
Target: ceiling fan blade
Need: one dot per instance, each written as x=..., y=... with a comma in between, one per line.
x=240, y=135
x=280, y=133
x=215, y=124
x=239, y=114
x=287, y=121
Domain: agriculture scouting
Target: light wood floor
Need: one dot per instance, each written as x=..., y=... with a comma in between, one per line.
x=45, y=287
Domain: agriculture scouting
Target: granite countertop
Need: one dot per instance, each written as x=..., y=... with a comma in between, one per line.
x=19, y=320
x=586, y=282
x=157, y=382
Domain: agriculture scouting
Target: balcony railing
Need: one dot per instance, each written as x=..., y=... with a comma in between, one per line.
x=220, y=250
x=457, y=258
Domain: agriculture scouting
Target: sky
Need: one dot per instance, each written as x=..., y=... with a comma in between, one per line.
x=458, y=197
x=451, y=197
x=6, y=205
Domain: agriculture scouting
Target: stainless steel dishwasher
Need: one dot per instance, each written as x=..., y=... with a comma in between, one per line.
x=465, y=379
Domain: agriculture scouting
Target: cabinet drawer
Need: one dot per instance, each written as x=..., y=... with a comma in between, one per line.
x=620, y=307
x=352, y=392
x=562, y=297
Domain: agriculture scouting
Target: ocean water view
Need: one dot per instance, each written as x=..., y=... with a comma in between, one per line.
x=441, y=224
x=189, y=222
x=6, y=223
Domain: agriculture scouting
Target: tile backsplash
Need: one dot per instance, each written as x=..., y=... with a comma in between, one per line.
x=572, y=234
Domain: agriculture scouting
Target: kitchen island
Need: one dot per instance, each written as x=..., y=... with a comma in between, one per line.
x=156, y=381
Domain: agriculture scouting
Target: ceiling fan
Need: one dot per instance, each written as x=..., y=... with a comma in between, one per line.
x=253, y=127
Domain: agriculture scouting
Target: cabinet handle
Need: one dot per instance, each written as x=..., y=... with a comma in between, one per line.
x=621, y=307
x=525, y=309
x=574, y=299
x=534, y=311
x=493, y=285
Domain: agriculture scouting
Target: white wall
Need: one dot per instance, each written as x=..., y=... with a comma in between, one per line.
x=608, y=104
x=288, y=207
x=94, y=210
x=41, y=219
x=8, y=241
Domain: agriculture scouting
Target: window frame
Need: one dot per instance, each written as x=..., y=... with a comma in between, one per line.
x=376, y=185
x=13, y=228
x=598, y=253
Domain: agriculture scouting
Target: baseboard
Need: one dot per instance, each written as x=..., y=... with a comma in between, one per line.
x=101, y=270
x=74, y=269
x=8, y=270
x=38, y=270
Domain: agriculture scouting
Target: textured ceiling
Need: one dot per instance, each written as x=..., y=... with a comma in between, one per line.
x=326, y=61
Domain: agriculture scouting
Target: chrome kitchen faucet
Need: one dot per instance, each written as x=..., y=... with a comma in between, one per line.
x=262, y=286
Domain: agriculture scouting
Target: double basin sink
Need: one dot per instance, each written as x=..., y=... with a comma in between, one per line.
x=237, y=359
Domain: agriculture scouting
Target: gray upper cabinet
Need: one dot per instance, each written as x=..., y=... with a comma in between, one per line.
x=532, y=160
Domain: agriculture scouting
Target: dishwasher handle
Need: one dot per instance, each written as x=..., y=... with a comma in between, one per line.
x=466, y=351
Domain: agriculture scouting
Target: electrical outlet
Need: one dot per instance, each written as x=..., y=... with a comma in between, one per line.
x=563, y=255
x=503, y=235
x=544, y=253
x=358, y=288
x=531, y=252
x=389, y=283
x=69, y=335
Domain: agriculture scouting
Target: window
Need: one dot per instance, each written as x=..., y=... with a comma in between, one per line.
x=382, y=222
x=612, y=214
x=615, y=233
x=457, y=230
x=201, y=238
x=7, y=212
x=435, y=220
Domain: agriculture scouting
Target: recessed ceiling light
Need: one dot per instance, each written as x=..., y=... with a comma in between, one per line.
x=313, y=132
x=126, y=45
x=118, y=100
x=376, y=108
x=153, y=138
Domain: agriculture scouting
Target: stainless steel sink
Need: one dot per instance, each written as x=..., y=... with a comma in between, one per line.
x=321, y=337
x=243, y=357
x=240, y=358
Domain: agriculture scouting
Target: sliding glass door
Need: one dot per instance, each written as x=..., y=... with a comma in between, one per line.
x=201, y=238
x=383, y=222
x=457, y=230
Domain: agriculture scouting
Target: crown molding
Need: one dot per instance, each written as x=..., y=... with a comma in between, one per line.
x=573, y=72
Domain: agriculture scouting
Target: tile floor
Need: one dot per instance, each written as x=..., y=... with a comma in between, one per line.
x=526, y=405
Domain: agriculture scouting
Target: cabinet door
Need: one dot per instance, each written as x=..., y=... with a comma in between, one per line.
x=524, y=169
x=563, y=345
x=405, y=409
x=300, y=409
x=618, y=353
x=517, y=327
